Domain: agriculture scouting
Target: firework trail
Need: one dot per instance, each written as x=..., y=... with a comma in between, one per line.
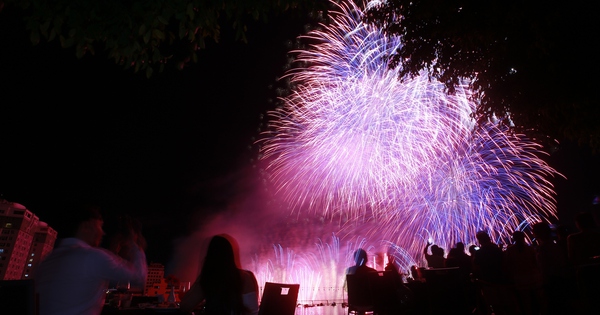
x=400, y=161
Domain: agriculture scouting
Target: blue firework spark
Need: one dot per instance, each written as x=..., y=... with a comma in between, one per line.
x=401, y=161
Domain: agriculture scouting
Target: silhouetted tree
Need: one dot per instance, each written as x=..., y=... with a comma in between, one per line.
x=531, y=63
x=145, y=34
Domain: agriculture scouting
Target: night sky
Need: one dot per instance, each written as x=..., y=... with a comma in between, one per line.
x=161, y=149
x=166, y=150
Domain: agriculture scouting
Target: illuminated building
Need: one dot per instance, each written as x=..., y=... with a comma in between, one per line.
x=24, y=241
x=158, y=285
x=156, y=274
x=42, y=245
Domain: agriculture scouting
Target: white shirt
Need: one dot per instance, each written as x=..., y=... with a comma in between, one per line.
x=73, y=279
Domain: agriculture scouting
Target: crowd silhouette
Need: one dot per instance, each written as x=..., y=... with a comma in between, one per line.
x=546, y=269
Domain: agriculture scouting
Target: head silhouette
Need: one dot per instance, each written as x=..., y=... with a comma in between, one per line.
x=360, y=257
x=220, y=278
x=483, y=238
x=542, y=232
x=585, y=221
x=221, y=252
x=518, y=237
x=472, y=249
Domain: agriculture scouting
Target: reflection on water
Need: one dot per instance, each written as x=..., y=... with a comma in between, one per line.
x=336, y=309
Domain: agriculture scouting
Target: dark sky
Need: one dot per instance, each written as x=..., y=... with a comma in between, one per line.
x=163, y=148
x=87, y=130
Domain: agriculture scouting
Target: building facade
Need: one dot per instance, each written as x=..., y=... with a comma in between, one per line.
x=160, y=286
x=42, y=245
x=24, y=241
x=156, y=274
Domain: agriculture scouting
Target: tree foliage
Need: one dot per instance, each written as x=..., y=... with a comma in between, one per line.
x=145, y=34
x=531, y=63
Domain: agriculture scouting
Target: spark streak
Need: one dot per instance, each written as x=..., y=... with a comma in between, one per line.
x=401, y=161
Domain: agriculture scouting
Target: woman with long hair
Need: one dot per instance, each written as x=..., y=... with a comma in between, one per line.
x=222, y=286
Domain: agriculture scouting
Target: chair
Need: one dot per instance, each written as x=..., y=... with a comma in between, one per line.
x=361, y=298
x=18, y=297
x=390, y=295
x=279, y=299
x=497, y=298
x=446, y=290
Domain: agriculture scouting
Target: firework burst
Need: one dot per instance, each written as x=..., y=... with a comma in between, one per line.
x=402, y=160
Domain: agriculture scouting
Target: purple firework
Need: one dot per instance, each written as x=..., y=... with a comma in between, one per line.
x=400, y=161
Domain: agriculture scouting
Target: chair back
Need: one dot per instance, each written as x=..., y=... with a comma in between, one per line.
x=387, y=292
x=360, y=291
x=446, y=290
x=279, y=299
x=442, y=275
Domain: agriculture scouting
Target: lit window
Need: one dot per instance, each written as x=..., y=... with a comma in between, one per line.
x=8, y=225
x=32, y=254
x=28, y=265
x=26, y=275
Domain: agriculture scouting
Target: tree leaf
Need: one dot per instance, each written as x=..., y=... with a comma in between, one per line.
x=149, y=71
x=147, y=37
x=79, y=51
x=156, y=55
x=44, y=27
x=190, y=10
x=156, y=33
x=142, y=29
x=52, y=34
x=163, y=20
x=34, y=37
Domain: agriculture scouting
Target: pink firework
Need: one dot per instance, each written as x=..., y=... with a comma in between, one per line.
x=397, y=161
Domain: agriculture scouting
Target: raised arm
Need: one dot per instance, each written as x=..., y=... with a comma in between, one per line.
x=111, y=267
x=426, y=248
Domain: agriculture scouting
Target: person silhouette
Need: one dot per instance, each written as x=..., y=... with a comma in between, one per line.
x=436, y=258
x=584, y=246
x=458, y=258
x=487, y=263
x=554, y=268
x=222, y=286
x=584, y=254
x=360, y=266
x=400, y=296
x=361, y=269
x=391, y=265
x=523, y=273
x=74, y=277
x=488, y=271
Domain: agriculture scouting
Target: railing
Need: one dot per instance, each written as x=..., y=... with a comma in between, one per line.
x=318, y=296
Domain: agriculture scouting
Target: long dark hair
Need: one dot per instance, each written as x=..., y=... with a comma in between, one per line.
x=221, y=279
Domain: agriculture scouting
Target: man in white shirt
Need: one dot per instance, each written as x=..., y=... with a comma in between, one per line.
x=73, y=279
